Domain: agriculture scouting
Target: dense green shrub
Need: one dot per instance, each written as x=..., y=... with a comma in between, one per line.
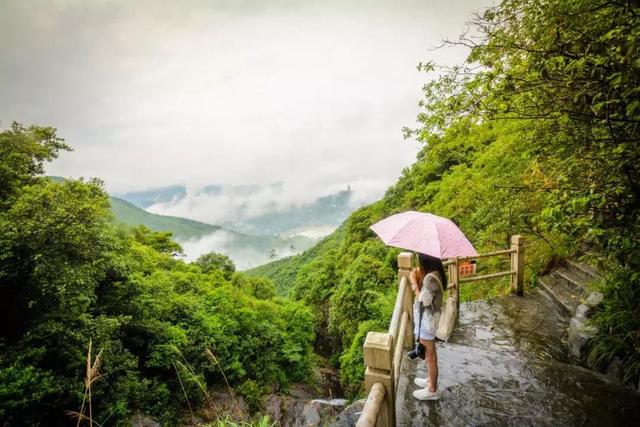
x=215, y=261
x=165, y=330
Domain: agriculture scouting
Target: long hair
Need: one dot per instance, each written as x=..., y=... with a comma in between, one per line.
x=428, y=264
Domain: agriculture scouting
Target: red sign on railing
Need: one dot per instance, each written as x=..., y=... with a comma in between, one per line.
x=467, y=268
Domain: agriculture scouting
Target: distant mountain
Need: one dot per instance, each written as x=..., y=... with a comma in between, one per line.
x=325, y=211
x=255, y=209
x=144, y=199
x=182, y=228
x=175, y=193
x=197, y=237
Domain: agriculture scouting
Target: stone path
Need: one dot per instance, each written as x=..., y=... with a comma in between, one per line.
x=507, y=364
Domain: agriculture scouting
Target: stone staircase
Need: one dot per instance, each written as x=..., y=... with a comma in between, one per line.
x=568, y=283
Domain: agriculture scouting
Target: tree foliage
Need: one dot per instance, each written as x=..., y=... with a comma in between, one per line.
x=215, y=261
x=68, y=275
x=569, y=72
x=23, y=152
x=536, y=133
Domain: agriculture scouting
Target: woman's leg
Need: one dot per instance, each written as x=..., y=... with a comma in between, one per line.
x=432, y=363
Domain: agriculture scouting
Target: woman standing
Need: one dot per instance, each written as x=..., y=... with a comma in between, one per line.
x=427, y=283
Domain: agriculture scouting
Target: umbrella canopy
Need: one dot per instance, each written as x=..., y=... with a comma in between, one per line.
x=426, y=233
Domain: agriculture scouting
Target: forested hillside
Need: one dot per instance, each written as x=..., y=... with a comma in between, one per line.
x=156, y=332
x=538, y=133
x=245, y=250
x=182, y=228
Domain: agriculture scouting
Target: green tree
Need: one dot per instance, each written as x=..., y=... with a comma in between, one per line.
x=159, y=240
x=216, y=261
x=569, y=70
x=23, y=152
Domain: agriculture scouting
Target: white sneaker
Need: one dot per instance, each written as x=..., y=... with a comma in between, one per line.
x=422, y=382
x=425, y=394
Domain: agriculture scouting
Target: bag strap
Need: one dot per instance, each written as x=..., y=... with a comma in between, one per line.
x=419, y=323
x=437, y=280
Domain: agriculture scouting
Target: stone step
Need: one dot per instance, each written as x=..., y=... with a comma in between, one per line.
x=573, y=282
x=587, y=272
x=560, y=293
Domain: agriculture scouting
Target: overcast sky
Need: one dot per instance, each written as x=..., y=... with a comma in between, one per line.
x=148, y=93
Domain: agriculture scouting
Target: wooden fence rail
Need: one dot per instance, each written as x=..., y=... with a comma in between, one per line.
x=383, y=351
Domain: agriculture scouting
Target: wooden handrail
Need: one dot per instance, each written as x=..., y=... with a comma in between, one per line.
x=487, y=255
x=487, y=276
x=372, y=406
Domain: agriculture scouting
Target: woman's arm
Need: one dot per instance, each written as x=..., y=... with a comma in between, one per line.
x=413, y=279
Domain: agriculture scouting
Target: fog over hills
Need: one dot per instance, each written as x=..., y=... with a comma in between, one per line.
x=253, y=224
x=254, y=209
x=198, y=238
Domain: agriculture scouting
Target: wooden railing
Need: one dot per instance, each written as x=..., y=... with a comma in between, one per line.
x=383, y=351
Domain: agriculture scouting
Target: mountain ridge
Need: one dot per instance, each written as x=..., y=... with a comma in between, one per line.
x=255, y=209
x=182, y=228
x=198, y=237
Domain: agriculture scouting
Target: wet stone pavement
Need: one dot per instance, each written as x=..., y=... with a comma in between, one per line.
x=507, y=365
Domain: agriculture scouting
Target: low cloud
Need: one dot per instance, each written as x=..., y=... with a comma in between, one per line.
x=151, y=94
x=225, y=242
x=230, y=205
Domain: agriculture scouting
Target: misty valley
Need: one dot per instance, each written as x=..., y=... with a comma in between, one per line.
x=253, y=224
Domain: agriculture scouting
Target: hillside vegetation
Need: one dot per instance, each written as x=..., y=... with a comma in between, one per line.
x=244, y=249
x=538, y=133
x=161, y=332
x=182, y=228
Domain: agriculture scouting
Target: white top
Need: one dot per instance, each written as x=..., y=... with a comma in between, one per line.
x=432, y=291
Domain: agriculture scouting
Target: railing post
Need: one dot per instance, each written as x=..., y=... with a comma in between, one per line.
x=404, y=264
x=378, y=358
x=517, y=265
x=404, y=268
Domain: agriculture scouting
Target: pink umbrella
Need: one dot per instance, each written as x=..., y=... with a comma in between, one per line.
x=426, y=233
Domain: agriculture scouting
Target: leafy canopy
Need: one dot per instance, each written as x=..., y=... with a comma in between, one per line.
x=68, y=275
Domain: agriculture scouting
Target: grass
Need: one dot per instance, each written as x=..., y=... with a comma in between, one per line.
x=92, y=374
x=618, y=324
x=265, y=421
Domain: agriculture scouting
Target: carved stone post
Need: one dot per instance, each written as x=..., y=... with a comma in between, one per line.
x=378, y=358
x=404, y=264
x=404, y=268
x=517, y=265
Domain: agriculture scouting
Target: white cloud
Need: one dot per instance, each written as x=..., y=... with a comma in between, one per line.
x=230, y=205
x=312, y=94
x=221, y=241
